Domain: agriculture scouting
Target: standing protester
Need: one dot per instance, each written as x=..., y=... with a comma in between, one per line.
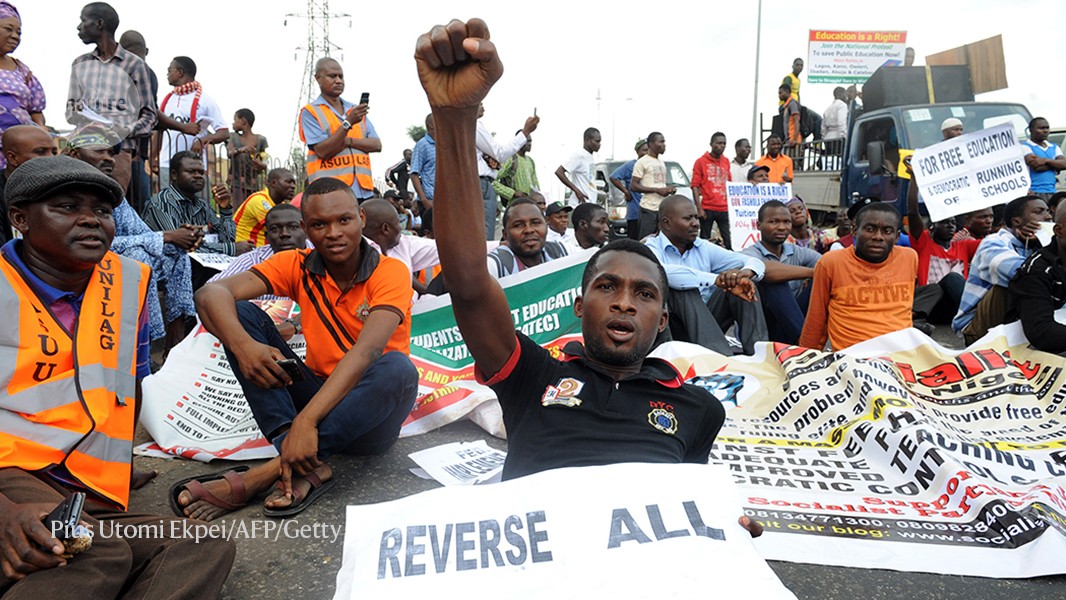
x=835, y=126
x=579, y=171
x=250, y=217
x=424, y=166
x=780, y=165
x=399, y=174
x=189, y=119
x=790, y=122
x=490, y=154
x=741, y=163
x=518, y=175
x=1043, y=158
x=80, y=312
x=649, y=179
x=908, y=57
x=338, y=134
x=112, y=83
x=710, y=174
x=247, y=156
x=141, y=180
x=792, y=82
x=621, y=178
x=22, y=97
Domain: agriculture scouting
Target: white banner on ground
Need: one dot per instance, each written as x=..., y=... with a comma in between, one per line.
x=744, y=201
x=461, y=463
x=218, y=262
x=592, y=532
x=970, y=172
x=852, y=56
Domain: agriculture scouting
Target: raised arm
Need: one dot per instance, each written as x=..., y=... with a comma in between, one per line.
x=915, y=224
x=457, y=65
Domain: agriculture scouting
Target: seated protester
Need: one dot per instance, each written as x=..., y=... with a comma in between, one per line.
x=177, y=206
x=804, y=234
x=591, y=227
x=166, y=252
x=404, y=217
x=558, y=217
x=759, y=174
x=785, y=289
x=284, y=231
x=538, y=199
x=250, y=216
x=358, y=384
x=1038, y=289
x=524, y=245
x=975, y=225
x=847, y=241
x=999, y=256
x=942, y=264
x=700, y=313
x=863, y=291
x=20, y=143
x=622, y=308
x=381, y=226
x=63, y=288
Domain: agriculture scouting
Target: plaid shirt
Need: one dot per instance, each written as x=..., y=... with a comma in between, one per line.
x=170, y=209
x=119, y=89
x=518, y=173
x=998, y=258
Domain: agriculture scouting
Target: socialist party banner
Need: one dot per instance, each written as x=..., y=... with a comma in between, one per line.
x=744, y=201
x=676, y=536
x=852, y=56
x=898, y=453
x=970, y=172
x=194, y=406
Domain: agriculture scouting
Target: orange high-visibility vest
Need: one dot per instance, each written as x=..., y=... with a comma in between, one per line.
x=349, y=165
x=55, y=412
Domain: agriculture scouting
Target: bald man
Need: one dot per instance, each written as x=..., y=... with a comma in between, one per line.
x=381, y=225
x=21, y=143
x=338, y=135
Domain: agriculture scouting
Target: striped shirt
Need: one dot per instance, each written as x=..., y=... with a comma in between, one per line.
x=118, y=88
x=998, y=258
x=170, y=209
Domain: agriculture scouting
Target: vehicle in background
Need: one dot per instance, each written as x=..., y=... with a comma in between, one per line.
x=1058, y=136
x=614, y=201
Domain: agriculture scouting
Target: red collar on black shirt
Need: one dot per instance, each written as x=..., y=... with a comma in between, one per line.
x=656, y=369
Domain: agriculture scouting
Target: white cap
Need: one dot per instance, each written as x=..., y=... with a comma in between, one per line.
x=949, y=123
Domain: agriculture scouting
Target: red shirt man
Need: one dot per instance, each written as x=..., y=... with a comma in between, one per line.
x=709, y=176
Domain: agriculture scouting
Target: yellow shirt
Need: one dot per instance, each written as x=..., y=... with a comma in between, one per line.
x=251, y=218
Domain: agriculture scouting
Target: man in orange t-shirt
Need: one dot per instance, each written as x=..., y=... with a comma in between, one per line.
x=780, y=165
x=358, y=384
x=866, y=290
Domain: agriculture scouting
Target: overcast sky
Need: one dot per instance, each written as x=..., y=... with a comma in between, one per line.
x=686, y=69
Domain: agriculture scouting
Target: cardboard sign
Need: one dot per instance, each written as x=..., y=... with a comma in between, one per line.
x=852, y=56
x=970, y=172
x=617, y=531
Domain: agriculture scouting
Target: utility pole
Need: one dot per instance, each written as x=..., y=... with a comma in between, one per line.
x=756, y=142
x=318, y=45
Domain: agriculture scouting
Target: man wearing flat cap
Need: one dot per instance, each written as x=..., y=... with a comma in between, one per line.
x=71, y=360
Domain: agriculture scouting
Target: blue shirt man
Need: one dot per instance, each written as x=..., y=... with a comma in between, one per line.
x=424, y=165
x=621, y=178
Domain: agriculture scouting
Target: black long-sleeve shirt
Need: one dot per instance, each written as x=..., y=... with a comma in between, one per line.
x=1038, y=289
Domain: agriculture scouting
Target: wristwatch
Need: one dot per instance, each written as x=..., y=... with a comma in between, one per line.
x=295, y=325
x=346, y=124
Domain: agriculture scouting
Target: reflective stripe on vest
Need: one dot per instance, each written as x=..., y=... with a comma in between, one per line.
x=70, y=400
x=349, y=165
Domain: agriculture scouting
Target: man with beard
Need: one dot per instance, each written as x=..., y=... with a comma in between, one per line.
x=711, y=288
x=863, y=291
x=525, y=232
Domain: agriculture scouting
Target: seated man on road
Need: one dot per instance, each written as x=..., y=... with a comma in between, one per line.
x=358, y=384
x=848, y=240
x=863, y=291
x=785, y=290
x=284, y=231
x=622, y=308
x=591, y=227
x=382, y=228
x=985, y=299
x=166, y=252
x=78, y=350
x=942, y=264
x=975, y=225
x=251, y=214
x=710, y=287
x=20, y=143
x=524, y=245
x=1039, y=289
x=558, y=217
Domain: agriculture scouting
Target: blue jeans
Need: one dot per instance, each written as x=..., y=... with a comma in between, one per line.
x=785, y=312
x=366, y=421
x=488, y=193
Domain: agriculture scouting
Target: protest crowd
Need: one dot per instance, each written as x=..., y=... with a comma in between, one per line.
x=109, y=232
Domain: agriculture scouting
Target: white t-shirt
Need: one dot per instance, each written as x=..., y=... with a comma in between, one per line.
x=179, y=108
x=650, y=171
x=581, y=169
x=739, y=172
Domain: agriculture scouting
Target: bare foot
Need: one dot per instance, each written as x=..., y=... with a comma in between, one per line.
x=301, y=487
x=140, y=478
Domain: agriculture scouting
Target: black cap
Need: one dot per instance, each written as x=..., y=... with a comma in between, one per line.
x=752, y=171
x=40, y=178
x=555, y=207
x=859, y=205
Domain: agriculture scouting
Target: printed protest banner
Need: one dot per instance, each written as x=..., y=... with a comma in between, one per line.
x=852, y=56
x=529, y=538
x=898, y=453
x=218, y=262
x=970, y=172
x=461, y=463
x=744, y=202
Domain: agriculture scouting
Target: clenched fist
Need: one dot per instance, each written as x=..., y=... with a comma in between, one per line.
x=457, y=64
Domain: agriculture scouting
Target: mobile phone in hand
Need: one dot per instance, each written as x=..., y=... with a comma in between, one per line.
x=64, y=518
x=365, y=98
x=293, y=369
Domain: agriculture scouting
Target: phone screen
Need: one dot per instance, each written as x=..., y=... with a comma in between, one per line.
x=365, y=98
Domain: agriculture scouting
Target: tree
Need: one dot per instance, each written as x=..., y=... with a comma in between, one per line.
x=416, y=132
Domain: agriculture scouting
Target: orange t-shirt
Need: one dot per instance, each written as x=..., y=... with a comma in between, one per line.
x=779, y=167
x=331, y=320
x=853, y=300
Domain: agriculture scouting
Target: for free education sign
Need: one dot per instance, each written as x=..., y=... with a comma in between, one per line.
x=852, y=56
x=970, y=172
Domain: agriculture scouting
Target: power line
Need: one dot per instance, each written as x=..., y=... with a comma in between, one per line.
x=318, y=45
